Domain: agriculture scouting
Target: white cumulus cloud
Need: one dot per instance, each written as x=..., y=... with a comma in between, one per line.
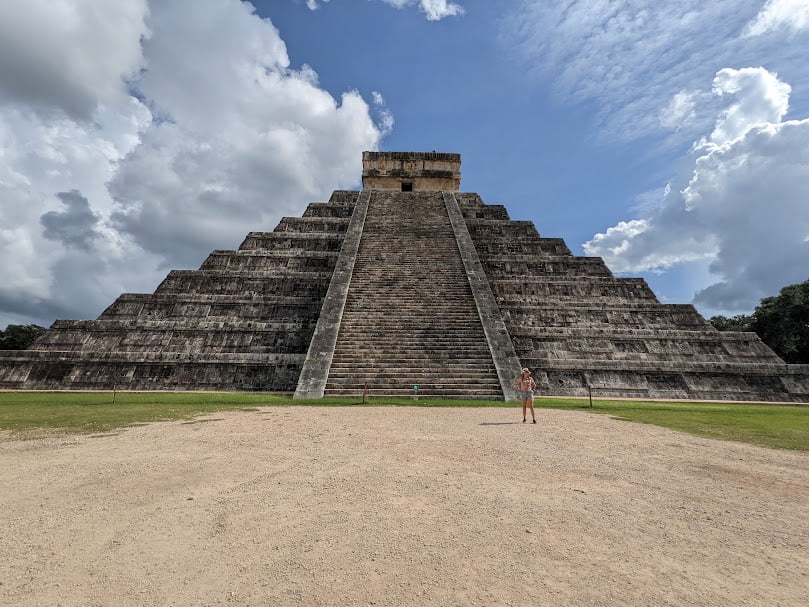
x=760, y=98
x=680, y=111
x=176, y=129
x=434, y=10
x=384, y=116
x=245, y=139
x=41, y=157
x=741, y=208
x=780, y=14
x=639, y=62
x=69, y=54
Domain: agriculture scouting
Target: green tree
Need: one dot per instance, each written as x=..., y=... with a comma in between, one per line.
x=782, y=322
x=742, y=322
x=19, y=337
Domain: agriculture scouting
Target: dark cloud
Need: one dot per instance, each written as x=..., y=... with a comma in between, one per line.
x=19, y=83
x=79, y=285
x=204, y=157
x=22, y=309
x=74, y=227
x=741, y=207
x=69, y=56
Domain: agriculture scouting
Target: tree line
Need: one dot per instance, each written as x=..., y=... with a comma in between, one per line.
x=782, y=322
x=19, y=337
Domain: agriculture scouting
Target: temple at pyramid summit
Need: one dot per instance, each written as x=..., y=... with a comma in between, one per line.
x=407, y=283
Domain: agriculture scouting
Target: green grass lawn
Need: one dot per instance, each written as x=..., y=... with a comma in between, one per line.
x=778, y=426
x=95, y=411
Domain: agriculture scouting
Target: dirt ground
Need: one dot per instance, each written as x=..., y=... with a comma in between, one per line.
x=401, y=506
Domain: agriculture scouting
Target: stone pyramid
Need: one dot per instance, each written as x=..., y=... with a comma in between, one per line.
x=407, y=283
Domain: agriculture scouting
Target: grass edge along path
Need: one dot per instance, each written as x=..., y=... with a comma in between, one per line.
x=28, y=413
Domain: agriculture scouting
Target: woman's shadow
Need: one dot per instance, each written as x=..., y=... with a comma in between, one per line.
x=497, y=423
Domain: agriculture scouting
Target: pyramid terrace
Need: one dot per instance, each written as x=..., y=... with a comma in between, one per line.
x=408, y=282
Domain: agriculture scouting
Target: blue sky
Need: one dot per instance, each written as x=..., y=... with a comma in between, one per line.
x=670, y=138
x=456, y=85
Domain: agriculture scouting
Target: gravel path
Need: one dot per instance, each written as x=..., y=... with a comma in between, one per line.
x=401, y=506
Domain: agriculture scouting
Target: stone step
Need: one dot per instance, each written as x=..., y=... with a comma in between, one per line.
x=409, y=314
x=413, y=321
x=379, y=355
x=272, y=254
x=390, y=257
x=424, y=367
x=312, y=241
x=709, y=333
x=393, y=347
x=427, y=277
x=539, y=305
x=638, y=283
x=411, y=377
x=666, y=366
x=413, y=332
x=382, y=360
x=392, y=392
x=424, y=284
x=414, y=338
x=429, y=323
x=383, y=305
x=594, y=353
x=407, y=342
x=411, y=357
x=153, y=356
x=381, y=309
x=348, y=197
x=192, y=350
x=413, y=318
x=417, y=264
x=424, y=387
x=245, y=274
x=379, y=351
x=312, y=224
x=239, y=298
x=397, y=360
x=181, y=325
x=413, y=335
x=394, y=297
x=385, y=321
x=537, y=340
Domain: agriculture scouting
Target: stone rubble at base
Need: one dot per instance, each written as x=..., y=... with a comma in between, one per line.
x=417, y=305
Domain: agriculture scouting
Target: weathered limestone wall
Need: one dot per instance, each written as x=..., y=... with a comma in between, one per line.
x=500, y=344
x=577, y=326
x=505, y=297
x=409, y=317
x=242, y=321
x=315, y=371
x=419, y=183
x=423, y=171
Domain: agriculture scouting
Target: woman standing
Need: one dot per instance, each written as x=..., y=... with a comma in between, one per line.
x=526, y=385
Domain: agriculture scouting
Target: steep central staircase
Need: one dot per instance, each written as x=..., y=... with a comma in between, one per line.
x=410, y=318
